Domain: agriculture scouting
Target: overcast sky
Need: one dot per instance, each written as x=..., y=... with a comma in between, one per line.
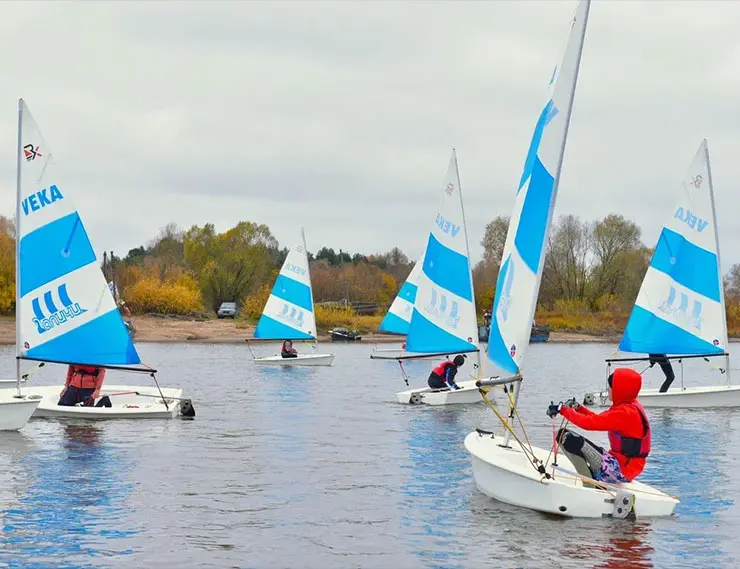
x=341, y=116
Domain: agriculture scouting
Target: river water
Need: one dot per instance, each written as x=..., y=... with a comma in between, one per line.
x=319, y=468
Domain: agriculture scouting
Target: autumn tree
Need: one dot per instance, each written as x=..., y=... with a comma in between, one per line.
x=614, y=242
x=494, y=240
x=232, y=264
x=566, y=268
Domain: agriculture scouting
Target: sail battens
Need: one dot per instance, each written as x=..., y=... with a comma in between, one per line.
x=519, y=278
x=65, y=310
x=289, y=311
x=680, y=306
x=443, y=318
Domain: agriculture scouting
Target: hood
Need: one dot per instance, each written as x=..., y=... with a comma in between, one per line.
x=626, y=384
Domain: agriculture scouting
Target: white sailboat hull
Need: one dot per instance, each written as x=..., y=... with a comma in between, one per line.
x=15, y=411
x=467, y=394
x=506, y=474
x=301, y=360
x=125, y=404
x=679, y=398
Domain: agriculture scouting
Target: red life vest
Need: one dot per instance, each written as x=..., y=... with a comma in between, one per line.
x=631, y=447
x=85, y=377
x=442, y=368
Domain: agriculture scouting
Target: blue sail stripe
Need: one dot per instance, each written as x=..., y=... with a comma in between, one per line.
x=270, y=329
x=37, y=312
x=424, y=336
x=408, y=292
x=394, y=324
x=447, y=269
x=653, y=335
x=687, y=264
x=547, y=114
x=102, y=341
x=64, y=296
x=530, y=233
x=42, y=255
x=293, y=291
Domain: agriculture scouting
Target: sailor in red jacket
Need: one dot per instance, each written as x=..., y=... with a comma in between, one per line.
x=443, y=376
x=83, y=386
x=626, y=423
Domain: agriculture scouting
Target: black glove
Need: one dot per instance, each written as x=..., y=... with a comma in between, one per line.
x=553, y=409
x=572, y=403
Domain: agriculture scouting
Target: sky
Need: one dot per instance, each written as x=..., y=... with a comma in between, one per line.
x=341, y=116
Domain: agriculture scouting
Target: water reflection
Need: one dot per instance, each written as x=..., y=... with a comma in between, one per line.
x=435, y=510
x=73, y=508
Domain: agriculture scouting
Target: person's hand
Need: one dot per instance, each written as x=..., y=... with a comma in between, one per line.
x=95, y=394
x=553, y=409
x=572, y=403
x=63, y=391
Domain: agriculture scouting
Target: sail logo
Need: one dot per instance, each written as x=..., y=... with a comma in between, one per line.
x=697, y=181
x=291, y=315
x=505, y=301
x=437, y=308
x=449, y=189
x=680, y=312
x=40, y=199
x=447, y=226
x=295, y=269
x=54, y=316
x=31, y=152
x=694, y=222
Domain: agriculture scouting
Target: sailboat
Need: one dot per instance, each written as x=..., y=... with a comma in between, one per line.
x=398, y=317
x=680, y=308
x=514, y=471
x=443, y=320
x=289, y=311
x=65, y=312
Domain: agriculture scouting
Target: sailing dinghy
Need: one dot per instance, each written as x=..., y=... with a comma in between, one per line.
x=65, y=312
x=289, y=311
x=514, y=471
x=398, y=318
x=443, y=321
x=680, y=308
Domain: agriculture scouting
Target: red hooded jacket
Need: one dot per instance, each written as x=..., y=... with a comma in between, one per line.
x=622, y=418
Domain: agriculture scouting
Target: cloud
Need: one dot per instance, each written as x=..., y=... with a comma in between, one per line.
x=340, y=117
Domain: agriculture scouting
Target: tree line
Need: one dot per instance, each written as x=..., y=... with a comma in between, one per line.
x=590, y=268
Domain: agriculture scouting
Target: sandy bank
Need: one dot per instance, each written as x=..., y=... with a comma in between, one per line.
x=153, y=329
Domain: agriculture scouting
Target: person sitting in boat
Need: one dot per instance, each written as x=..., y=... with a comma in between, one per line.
x=665, y=365
x=443, y=376
x=626, y=423
x=288, y=351
x=83, y=386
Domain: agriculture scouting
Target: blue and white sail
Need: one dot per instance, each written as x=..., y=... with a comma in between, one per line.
x=680, y=308
x=443, y=320
x=518, y=284
x=289, y=313
x=398, y=318
x=65, y=310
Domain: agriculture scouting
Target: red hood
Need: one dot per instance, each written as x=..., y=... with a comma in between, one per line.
x=626, y=384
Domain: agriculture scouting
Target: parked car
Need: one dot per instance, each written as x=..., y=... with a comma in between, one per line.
x=227, y=310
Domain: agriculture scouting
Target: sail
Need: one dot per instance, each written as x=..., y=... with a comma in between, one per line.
x=66, y=312
x=518, y=282
x=288, y=314
x=680, y=308
x=397, y=319
x=443, y=319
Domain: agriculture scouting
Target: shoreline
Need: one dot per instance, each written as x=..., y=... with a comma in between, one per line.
x=158, y=330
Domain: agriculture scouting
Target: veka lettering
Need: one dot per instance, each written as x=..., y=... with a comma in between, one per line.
x=447, y=226
x=439, y=312
x=690, y=219
x=505, y=301
x=295, y=269
x=679, y=313
x=41, y=199
x=56, y=317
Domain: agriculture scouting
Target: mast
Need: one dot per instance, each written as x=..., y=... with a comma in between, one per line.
x=310, y=284
x=19, y=163
x=470, y=272
x=719, y=262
